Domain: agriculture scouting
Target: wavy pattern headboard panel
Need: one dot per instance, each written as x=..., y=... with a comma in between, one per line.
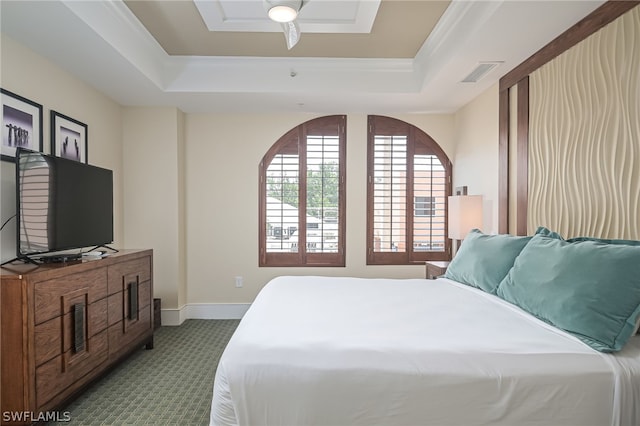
x=584, y=136
x=577, y=168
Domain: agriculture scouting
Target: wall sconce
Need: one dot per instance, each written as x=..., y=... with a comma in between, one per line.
x=465, y=214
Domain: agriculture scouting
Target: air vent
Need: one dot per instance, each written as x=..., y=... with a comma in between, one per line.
x=480, y=71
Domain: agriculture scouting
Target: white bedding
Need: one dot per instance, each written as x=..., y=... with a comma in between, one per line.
x=346, y=351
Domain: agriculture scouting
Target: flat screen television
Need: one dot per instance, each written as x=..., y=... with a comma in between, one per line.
x=61, y=204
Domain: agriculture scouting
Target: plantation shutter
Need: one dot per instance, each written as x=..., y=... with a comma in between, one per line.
x=283, y=182
x=430, y=186
x=390, y=193
x=302, y=196
x=408, y=185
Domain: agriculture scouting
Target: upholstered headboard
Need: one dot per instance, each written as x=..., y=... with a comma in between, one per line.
x=570, y=131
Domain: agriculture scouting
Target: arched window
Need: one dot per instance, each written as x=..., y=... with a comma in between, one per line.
x=409, y=180
x=302, y=196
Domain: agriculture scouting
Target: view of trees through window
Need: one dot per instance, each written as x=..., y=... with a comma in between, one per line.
x=322, y=190
x=303, y=193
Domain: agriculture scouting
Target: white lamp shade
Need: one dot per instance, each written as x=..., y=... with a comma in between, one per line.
x=465, y=214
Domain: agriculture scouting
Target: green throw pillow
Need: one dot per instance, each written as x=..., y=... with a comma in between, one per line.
x=587, y=288
x=548, y=233
x=552, y=234
x=605, y=241
x=484, y=260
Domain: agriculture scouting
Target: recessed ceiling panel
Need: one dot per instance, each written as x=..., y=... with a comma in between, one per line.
x=400, y=28
x=316, y=16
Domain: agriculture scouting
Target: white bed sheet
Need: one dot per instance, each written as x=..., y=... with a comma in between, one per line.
x=347, y=351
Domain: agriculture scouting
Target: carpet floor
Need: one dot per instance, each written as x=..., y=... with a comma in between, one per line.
x=169, y=385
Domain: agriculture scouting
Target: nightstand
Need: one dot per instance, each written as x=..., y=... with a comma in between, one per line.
x=435, y=268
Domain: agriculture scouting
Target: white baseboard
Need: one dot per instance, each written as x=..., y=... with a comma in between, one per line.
x=172, y=316
x=204, y=311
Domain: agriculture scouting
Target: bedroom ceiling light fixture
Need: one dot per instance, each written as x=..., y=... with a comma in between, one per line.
x=285, y=13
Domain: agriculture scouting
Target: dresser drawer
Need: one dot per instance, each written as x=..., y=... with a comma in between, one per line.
x=57, y=335
x=123, y=273
x=57, y=374
x=51, y=295
x=119, y=303
x=122, y=334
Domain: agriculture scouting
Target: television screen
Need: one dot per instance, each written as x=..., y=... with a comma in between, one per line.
x=61, y=204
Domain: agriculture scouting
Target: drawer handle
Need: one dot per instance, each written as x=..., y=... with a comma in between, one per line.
x=78, y=327
x=133, y=300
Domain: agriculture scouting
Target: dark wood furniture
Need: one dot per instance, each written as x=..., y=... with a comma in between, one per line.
x=62, y=325
x=435, y=268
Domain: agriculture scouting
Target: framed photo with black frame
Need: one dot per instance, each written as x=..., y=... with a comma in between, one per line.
x=69, y=138
x=21, y=125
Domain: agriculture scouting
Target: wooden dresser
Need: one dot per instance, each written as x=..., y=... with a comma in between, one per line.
x=62, y=325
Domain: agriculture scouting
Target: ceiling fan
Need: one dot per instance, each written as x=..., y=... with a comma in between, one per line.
x=285, y=12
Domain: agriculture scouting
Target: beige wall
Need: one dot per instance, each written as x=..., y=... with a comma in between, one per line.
x=154, y=177
x=30, y=75
x=475, y=161
x=222, y=157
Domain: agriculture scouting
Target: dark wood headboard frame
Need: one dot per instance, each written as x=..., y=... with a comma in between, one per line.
x=519, y=76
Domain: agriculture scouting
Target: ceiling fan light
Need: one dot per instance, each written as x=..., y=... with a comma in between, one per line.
x=283, y=13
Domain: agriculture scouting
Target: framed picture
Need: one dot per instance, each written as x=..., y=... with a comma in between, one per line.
x=21, y=124
x=69, y=138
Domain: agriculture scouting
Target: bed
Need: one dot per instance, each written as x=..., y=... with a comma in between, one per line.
x=352, y=351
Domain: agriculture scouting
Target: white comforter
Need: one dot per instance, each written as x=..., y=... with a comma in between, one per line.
x=346, y=351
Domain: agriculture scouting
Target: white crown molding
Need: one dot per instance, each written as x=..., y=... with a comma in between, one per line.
x=458, y=23
x=251, y=75
x=119, y=27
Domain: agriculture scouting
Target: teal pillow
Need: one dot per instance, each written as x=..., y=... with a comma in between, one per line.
x=552, y=234
x=605, y=241
x=609, y=241
x=548, y=233
x=483, y=260
x=587, y=288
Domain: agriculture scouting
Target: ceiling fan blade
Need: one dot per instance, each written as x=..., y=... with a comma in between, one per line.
x=291, y=33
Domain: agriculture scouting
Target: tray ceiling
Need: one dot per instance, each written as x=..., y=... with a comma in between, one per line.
x=413, y=60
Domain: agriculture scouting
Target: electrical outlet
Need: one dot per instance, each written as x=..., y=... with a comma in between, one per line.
x=239, y=282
